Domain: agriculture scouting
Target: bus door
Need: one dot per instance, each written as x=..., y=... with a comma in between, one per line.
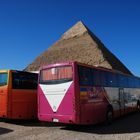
x=121, y=101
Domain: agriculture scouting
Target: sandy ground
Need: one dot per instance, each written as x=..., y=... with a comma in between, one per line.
x=124, y=128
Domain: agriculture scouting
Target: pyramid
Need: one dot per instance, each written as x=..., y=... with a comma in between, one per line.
x=79, y=44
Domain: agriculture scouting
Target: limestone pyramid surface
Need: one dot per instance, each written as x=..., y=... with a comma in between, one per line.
x=79, y=44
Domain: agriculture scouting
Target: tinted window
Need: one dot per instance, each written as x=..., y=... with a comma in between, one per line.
x=24, y=80
x=123, y=80
x=131, y=82
x=90, y=76
x=85, y=76
x=96, y=77
x=3, y=79
x=103, y=78
x=136, y=83
x=111, y=79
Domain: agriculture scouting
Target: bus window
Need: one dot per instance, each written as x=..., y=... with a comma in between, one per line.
x=103, y=78
x=85, y=76
x=136, y=81
x=112, y=80
x=123, y=81
x=56, y=75
x=3, y=79
x=131, y=82
x=23, y=80
x=96, y=77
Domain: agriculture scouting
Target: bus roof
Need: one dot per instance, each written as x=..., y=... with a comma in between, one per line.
x=3, y=71
x=87, y=65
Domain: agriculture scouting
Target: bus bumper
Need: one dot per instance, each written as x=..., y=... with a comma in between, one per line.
x=68, y=119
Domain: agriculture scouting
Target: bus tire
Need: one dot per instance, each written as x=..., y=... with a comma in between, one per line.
x=109, y=116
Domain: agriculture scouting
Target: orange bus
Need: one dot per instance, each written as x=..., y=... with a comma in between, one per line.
x=18, y=94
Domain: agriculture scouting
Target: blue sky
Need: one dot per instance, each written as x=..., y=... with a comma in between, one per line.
x=29, y=27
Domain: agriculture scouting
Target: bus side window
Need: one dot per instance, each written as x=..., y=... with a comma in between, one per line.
x=131, y=82
x=123, y=81
x=85, y=76
x=109, y=79
x=112, y=80
x=96, y=77
x=138, y=82
x=136, y=85
x=15, y=80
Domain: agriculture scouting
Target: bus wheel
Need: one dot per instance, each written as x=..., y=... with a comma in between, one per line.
x=109, y=117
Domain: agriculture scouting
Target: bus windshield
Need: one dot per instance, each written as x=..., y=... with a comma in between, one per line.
x=3, y=79
x=56, y=75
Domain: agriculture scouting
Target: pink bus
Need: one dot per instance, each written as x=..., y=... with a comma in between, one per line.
x=77, y=93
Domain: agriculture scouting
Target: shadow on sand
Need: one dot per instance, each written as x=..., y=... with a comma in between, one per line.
x=5, y=130
x=32, y=123
x=126, y=124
